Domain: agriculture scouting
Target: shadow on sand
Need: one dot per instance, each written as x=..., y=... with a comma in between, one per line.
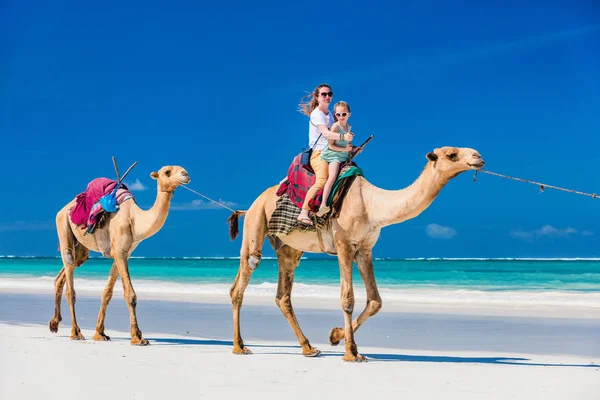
x=375, y=357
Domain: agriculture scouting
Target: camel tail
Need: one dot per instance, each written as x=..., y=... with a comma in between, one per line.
x=234, y=223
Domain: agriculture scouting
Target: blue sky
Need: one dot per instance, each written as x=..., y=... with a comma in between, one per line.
x=214, y=88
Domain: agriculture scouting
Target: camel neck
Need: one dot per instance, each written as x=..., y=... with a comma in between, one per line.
x=394, y=206
x=148, y=222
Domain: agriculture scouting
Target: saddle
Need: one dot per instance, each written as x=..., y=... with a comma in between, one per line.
x=292, y=193
x=91, y=207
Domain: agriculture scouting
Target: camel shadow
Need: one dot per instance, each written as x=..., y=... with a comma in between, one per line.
x=373, y=357
x=209, y=342
x=469, y=360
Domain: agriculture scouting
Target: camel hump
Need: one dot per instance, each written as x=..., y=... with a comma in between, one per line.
x=234, y=223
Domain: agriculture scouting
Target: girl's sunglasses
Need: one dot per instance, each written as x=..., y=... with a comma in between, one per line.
x=341, y=115
x=325, y=94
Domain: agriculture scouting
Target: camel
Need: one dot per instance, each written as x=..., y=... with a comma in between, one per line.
x=117, y=239
x=365, y=210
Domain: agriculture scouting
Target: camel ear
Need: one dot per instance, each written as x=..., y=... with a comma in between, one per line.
x=154, y=175
x=432, y=156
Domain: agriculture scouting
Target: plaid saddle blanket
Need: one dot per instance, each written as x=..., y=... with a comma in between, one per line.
x=285, y=218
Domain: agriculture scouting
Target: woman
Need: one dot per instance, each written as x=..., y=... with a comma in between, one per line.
x=321, y=119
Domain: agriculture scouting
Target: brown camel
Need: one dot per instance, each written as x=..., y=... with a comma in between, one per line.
x=365, y=210
x=117, y=239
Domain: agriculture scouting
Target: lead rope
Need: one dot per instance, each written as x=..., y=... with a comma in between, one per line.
x=541, y=185
x=208, y=198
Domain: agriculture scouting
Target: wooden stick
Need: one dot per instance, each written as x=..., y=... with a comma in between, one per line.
x=116, y=169
x=126, y=172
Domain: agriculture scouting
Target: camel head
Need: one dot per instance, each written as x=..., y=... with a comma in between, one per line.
x=451, y=161
x=170, y=177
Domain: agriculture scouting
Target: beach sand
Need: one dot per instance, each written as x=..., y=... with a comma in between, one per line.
x=417, y=354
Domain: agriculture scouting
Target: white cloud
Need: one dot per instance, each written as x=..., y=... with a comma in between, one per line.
x=27, y=226
x=201, y=205
x=136, y=186
x=546, y=231
x=440, y=232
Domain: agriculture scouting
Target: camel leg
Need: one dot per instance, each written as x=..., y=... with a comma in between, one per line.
x=255, y=230
x=364, y=258
x=68, y=254
x=121, y=258
x=71, y=297
x=345, y=259
x=106, y=296
x=80, y=256
x=59, y=284
x=288, y=259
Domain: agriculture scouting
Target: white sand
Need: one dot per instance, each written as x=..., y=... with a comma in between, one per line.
x=36, y=364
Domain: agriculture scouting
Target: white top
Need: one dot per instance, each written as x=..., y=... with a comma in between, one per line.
x=318, y=117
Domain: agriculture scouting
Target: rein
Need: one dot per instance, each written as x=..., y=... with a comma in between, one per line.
x=541, y=185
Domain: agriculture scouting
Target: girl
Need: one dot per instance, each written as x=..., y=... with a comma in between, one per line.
x=321, y=120
x=338, y=151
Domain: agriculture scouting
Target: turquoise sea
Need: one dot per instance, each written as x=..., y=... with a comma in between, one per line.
x=545, y=281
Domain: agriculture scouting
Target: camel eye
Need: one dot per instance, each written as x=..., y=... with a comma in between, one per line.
x=168, y=172
x=452, y=156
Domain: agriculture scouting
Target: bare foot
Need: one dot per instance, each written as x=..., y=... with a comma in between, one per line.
x=323, y=210
x=304, y=219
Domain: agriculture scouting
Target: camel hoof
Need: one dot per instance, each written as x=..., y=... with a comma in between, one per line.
x=313, y=353
x=99, y=337
x=354, y=358
x=335, y=336
x=241, y=351
x=79, y=336
x=140, y=342
x=53, y=324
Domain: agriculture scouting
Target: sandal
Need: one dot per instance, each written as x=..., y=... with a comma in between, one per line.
x=304, y=220
x=323, y=210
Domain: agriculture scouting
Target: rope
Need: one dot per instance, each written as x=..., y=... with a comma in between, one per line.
x=541, y=185
x=208, y=198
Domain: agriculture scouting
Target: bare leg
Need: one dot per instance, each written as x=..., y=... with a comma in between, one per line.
x=288, y=259
x=333, y=171
x=346, y=258
x=255, y=230
x=364, y=258
x=106, y=296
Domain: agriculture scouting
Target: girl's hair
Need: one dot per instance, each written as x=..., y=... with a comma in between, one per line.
x=340, y=104
x=311, y=101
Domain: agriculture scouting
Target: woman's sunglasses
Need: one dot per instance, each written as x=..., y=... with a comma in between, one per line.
x=341, y=115
x=325, y=94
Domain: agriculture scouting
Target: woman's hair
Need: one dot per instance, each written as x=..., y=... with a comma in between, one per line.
x=311, y=101
x=340, y=104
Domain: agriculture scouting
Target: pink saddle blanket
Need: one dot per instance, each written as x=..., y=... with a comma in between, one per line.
x=83, y=213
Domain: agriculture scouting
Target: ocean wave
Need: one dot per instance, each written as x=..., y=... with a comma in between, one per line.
x=421, y=295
